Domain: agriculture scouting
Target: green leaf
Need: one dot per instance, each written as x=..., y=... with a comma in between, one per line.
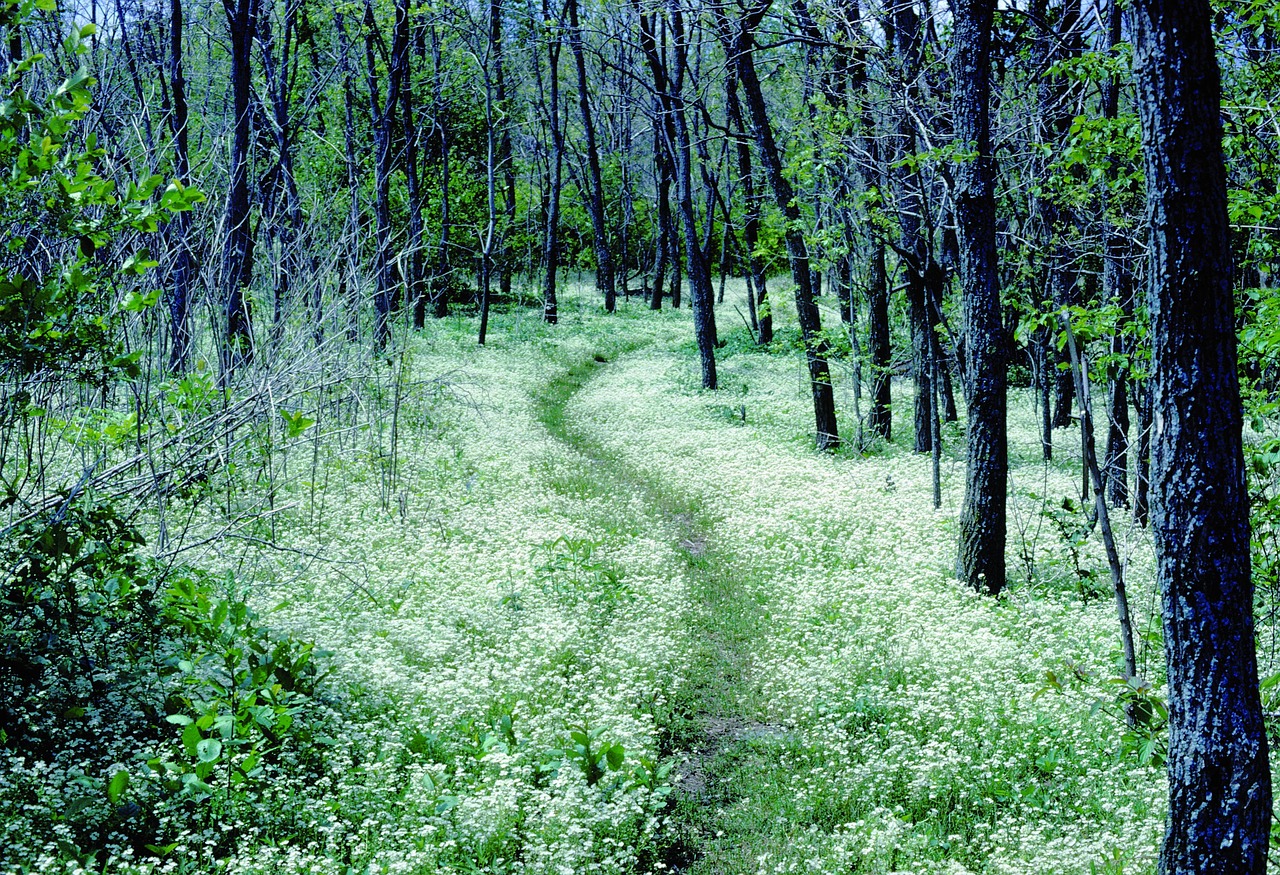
x=208, y=750
x=614, y=756
x=191, y=739
x=117, y=785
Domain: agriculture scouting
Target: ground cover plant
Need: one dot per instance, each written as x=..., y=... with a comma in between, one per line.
x=600, y=625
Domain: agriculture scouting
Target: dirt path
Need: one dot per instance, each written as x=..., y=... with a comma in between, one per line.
x=706, y=730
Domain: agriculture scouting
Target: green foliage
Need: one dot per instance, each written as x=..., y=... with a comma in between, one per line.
x=573, y=571
x=104, y=653
x=240, y=690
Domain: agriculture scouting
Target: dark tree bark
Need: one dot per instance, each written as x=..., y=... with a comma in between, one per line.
x=237, y=253
x=739, y=41
x=348, y=283
x=383, y=116
x=595, y=196
x=980, y=562
x=441, y=269
x=700, y=291
x=505, y=160
x=415, y=283
x=913, y=247
x=180, y=227
x=1219, y=776
x=753, y=201
x=881, y=417
x=284, y=230
x=551, y=231
x=1117, y=284
x=1142, y=464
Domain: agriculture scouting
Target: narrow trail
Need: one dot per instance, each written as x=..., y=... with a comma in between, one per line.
x=707, y=729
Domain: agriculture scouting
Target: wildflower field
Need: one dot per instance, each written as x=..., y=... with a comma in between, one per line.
x=578, y=615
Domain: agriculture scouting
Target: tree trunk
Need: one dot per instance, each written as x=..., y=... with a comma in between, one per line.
x=595, y=197
x=881, y=419
x=980, y=562
x=740, y=44
x=382, y=115
x=441, y=270
x=237, y=253
x=753, y=202
x=415, y=283
x=1118, y=287
x=551, y=232
x=704, y=320
x=1219, y=777
x=505, y=159
x=180, y=227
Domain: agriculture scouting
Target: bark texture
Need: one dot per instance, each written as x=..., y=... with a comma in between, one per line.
x=980, y=562
x=1219, y=777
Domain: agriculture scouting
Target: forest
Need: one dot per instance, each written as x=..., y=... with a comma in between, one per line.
x=638, y=436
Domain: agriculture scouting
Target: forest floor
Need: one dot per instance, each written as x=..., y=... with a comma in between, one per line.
x=587, y=617
x=582, y=541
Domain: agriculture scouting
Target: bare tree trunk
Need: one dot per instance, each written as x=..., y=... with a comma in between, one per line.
x=237, y=253
x=1117, y=285
x=595, y=197
x=383, y=114
x=441, y=270
x=704, y=320
x=739, y=40
x=415, y=283
x=1219, y=777
x=180, y=227
x=980, y=561
x=551, y=236
x=351, y=234
x=753, y=201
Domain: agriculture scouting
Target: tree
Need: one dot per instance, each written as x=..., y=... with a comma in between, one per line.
x=180, y=230
x=595, y=194
x=1219, y=774
x=738, y=37
x=237, y=253
x=980, y=562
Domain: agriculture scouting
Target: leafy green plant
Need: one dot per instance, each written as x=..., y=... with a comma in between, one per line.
x=573, y=572
x=241, y=688
x=587, y=750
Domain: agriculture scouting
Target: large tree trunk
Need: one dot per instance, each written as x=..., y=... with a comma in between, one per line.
x=1219, y=777
x=595, y=197
x=980, y=562
x=237, y=253
x=740, y=44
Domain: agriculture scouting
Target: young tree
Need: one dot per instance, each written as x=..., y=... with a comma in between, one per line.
x=1219, y=775
x=980, y=562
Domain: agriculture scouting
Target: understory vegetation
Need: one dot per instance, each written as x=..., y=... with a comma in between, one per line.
x=546, y=606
